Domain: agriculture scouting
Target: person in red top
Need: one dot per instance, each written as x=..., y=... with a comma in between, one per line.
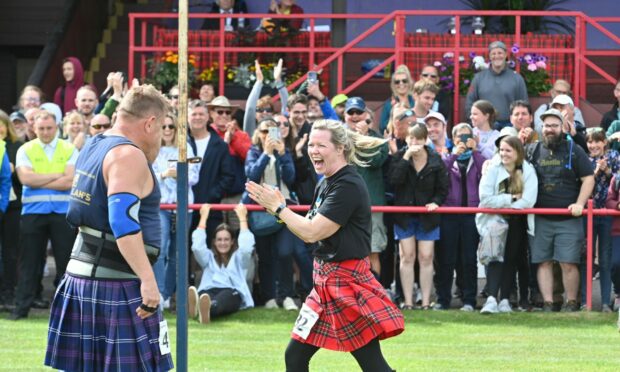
x=221, y=115
x=73, y=74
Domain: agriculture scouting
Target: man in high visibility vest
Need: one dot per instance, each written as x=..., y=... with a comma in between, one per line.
x=45, y=167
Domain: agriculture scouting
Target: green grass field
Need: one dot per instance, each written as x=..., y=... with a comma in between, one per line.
x=255, y=340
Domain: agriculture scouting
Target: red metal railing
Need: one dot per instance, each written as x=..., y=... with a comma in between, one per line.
x=395, y=49
x=588, y=212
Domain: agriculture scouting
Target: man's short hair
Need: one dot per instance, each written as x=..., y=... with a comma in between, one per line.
x=87, y=87
x=197, y=103
x=43, y=115
x=144, y=101
x=423, y=85
x=294, y=99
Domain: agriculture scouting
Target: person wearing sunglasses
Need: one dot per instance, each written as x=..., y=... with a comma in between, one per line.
x=443, y=99
x=255, y=108
x=165, y=169
x=400, y=85
x=216, y=169
x=224, y=124
x=99, y=124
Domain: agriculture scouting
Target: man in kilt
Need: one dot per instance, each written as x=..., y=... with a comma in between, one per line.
x=105, y=313
x=347, y=310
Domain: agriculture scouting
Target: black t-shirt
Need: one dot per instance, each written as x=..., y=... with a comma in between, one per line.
x=559, y=173
x=343, y=198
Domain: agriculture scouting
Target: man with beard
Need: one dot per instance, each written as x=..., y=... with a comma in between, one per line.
x=566, y=180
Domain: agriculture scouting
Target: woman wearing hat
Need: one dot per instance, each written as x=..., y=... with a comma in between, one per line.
x=510, y=182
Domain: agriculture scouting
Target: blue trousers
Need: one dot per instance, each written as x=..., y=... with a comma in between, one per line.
x=165, y=268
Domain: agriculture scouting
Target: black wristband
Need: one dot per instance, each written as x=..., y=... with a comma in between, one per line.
x=279, y=209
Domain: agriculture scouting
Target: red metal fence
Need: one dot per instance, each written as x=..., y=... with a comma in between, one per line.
x=588, y=213
x=573, y=54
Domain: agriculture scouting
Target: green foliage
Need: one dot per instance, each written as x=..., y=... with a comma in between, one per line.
x=164, y=71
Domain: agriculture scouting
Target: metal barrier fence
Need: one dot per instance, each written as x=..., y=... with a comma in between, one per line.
x=589, y=212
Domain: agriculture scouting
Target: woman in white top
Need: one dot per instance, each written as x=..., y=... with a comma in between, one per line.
x=509, y=182
x=482, y=119
x=223, y=288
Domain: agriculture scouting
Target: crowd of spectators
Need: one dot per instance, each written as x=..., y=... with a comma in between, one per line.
x=506, y=156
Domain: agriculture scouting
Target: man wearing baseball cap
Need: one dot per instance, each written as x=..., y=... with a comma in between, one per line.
x=560, y=87
x=436, y=125
x=498, y=84
x=566, y=180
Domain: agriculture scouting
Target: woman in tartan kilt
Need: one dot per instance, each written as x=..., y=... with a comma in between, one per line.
x=347, y=310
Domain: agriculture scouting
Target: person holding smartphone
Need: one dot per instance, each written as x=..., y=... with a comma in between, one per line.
x=459, y=247
x=270, y=162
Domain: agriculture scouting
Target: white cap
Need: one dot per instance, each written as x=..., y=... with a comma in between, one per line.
x=562, y=99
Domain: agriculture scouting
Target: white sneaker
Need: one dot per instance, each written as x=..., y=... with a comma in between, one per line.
x=289, y=304
x=271, y=304
x=504, y=306
x=490, y=307
x=192, y=302
x=418, y=297
x=166, y=304
x=204, y=309
x=467, y=308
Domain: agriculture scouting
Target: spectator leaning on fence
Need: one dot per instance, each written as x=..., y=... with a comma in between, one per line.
x=565, y=181
x=510, y=182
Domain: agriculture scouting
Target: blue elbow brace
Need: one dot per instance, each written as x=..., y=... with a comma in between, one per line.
x=123, y=214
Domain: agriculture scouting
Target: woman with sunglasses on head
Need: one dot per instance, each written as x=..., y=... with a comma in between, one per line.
x=401, y=86
x=606, y=163
x=508, y=182
x=256, y=109
x=270, y=162
x=165, y=168
x=419, y=178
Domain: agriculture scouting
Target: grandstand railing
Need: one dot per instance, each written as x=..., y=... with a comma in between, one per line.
x=141, y=29
x=589, y=212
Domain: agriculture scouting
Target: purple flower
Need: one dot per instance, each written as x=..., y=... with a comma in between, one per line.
x=520, y=59
x=515, y=49
x=472, y=55
x=443, y=68
x=542, y=59
x=511, y=64
x=527, y=58
x=450, y=86
x=443, y=78
x=466, y=82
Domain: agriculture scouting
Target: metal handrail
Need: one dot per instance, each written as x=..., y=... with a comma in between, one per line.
x=588, y=212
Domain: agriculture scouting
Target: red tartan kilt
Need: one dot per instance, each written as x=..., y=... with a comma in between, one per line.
x=353, y=307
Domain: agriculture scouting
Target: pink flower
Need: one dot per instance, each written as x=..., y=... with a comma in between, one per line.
x=437, y=64
x=541, y=65
x=532, y=67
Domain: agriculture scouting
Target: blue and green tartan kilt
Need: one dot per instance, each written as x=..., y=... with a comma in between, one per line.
x=94, y=327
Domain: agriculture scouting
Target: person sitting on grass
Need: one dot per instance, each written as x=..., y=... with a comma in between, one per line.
x=223, y=289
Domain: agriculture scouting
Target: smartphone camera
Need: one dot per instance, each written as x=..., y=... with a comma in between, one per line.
x=274, y=133
x=313, y=77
